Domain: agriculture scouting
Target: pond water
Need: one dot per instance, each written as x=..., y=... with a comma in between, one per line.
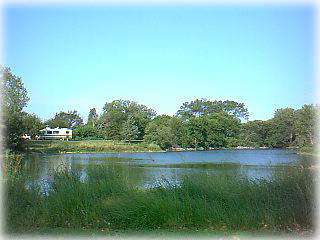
x=161, y=168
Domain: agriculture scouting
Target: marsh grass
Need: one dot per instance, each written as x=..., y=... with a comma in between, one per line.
x=83, y=146
x=107, y=201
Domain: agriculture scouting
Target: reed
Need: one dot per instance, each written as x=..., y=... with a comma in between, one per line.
x=109, y=202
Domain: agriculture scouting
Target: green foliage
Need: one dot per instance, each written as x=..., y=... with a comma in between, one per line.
x=211, y=130
x=255, y=133
x=14, y=100
x=288, y=128
x=130, y=130
x=160, y=132
x=70, y=119
x=166, y=131
x=305, y=124
x=214, y=130
x=282, y=132
x=116, y=113
x=32, y=124
x=200, y=107
x=87, y=132
x=223, y=129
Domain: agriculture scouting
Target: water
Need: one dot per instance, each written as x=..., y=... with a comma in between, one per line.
x=166, y=168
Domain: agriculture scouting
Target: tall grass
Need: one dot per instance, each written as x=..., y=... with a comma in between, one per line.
x=59, y=146
x=108, y=201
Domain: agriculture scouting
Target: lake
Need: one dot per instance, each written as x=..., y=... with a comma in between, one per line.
x=149, y=169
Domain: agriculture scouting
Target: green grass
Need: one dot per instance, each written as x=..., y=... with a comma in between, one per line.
x=84, y=146
x=108, y=202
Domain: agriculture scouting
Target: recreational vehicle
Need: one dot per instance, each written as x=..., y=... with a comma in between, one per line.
x=56, y=133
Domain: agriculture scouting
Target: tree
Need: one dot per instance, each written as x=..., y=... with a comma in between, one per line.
x=212, y=130
x=92, y=117
x=130, y=130
x=116, y=113
x=200, y=107
x=31, y=124
x=255, y=133
x=70, y=119
x=14, y=100
x=159, y=131
x=223, y=130
x=282, y=133
x=304, y=125
x=197, y=130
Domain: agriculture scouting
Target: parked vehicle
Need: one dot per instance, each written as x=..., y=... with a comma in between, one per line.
x=26, y=136
x=56, y=133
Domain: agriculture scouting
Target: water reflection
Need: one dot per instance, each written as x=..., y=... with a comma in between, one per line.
x=147, y=170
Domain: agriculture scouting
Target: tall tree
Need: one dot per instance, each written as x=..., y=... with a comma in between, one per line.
x=70, y=119
x=14, y=100
x=92, y=117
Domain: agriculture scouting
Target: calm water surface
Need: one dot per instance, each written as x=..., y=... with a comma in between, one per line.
x=153, y=169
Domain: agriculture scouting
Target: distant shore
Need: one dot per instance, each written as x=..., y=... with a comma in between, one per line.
x=104, y=146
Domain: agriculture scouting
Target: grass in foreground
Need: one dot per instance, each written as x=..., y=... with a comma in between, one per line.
x=109, y=203
x=59, y=146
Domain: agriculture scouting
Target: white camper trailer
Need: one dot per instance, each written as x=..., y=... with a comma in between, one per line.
x=56, y=133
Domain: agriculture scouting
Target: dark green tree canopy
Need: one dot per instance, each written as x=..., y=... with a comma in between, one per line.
x=70, y=119
x=305, y=125
x=160, y=131
x=200, y=107
x=282, y=132
x=255, y=133
x=212, y=130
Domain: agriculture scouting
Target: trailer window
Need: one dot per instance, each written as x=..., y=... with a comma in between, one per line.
x=67, y=132
x=49, y=132
x=55, y=132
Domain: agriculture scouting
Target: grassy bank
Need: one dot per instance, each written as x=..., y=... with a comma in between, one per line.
x=84, y=146
x=107, y=202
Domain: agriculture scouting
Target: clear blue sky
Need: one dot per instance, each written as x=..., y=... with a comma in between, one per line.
x=81, y=57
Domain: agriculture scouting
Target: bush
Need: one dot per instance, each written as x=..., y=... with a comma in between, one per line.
x=87, y=132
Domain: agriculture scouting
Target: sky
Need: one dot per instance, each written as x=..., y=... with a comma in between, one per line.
x=80, y=57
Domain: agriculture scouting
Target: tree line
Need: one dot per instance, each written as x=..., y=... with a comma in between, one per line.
x=200, y=124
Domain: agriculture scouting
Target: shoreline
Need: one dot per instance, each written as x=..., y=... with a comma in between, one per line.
x=98, y=146
x=163, y=151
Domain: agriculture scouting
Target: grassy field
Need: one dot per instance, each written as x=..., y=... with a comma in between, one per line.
x=109, y=203
x=58, y=146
